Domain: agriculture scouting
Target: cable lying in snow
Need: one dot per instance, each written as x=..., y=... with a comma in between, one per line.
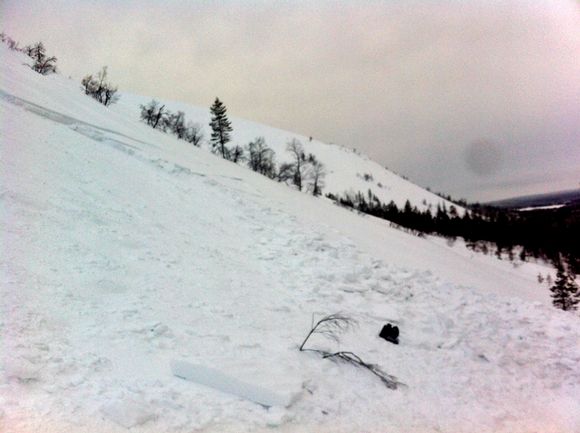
x=331, y=326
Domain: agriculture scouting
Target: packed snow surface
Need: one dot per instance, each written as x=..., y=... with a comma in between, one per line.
x=123, y=249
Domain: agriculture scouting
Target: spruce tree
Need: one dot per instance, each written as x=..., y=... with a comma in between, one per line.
x=565, y=293
x=221, y=128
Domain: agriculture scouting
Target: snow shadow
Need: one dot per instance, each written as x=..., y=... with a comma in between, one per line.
x=80, y=126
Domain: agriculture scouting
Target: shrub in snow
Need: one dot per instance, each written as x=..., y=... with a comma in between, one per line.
x=315, y=173
x=295, y=170
x=99, y=88
x=333, y=325
x=236, y=154
x=176, y=124
x=194, y=134
x=158, y=117
x=153, y=114
x=261, y=158
x=304, y=171
x=42, y=63
x=11, y=43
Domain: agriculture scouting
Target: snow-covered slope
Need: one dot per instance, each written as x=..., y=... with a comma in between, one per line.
x=346, y=168
x=123, y=250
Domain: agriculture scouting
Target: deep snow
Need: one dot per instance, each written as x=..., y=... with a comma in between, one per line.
x=123, y=249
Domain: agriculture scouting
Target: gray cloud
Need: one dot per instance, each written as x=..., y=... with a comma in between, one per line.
x=412, y=83
x=483, y=157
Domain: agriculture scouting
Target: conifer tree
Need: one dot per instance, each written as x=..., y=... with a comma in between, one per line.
x=221, y=128
x=565, y=293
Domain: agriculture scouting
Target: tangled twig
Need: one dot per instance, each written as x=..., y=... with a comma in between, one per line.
x=331, y=327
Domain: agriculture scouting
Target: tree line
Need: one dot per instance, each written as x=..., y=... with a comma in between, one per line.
x=43, y=63
x=159, y=117
x=97, y=87
x=304, y=171
x=482, y=227
x=550, y=235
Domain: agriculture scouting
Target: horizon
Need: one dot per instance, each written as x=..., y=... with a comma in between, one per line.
x=479, y=105
x=532, y=196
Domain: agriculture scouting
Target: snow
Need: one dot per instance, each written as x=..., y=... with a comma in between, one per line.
x=222, y=382
x=552, y=206
x=23, y=370
x=128, y=413
x=346, y=168
x=123, y=249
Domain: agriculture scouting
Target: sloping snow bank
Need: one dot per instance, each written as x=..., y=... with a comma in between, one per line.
x=123, y=249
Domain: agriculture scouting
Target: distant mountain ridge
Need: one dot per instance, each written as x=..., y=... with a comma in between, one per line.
x=537, y=200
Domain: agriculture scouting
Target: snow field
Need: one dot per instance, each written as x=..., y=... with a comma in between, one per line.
x=123, y=249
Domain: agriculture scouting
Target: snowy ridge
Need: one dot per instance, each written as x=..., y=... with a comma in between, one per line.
x=123, y=249
x=345, y=167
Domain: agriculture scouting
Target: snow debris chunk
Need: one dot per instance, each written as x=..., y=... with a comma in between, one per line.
x=159, y=329
x=129, y=412
x=21, y=370
x=230, y=385
x=277, y=417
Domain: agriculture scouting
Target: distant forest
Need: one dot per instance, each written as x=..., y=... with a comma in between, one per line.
x=549, y=234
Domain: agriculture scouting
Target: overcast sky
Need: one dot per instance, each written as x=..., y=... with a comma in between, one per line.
x=478, y=99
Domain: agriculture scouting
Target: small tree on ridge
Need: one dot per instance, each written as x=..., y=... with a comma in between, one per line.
x=99, y=88
x=298, y=165
x=261, y=158
x=221, y=128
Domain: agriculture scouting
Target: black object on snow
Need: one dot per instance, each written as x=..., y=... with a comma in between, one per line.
x=390, y=333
